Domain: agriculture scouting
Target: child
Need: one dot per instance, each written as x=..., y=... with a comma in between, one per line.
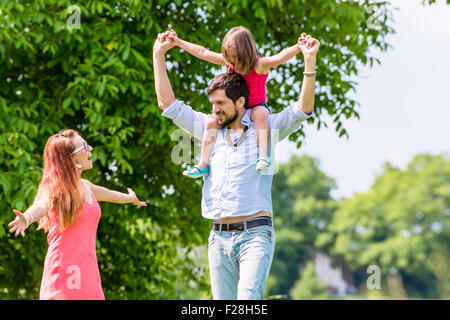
x=239, y=54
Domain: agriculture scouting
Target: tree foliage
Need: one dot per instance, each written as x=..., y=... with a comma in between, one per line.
x=432, y=1
x=303, y=209
x=99, y=80
x=308, y=286
x=402, y=224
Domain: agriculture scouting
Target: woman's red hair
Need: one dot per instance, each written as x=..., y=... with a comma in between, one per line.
x=61, y=185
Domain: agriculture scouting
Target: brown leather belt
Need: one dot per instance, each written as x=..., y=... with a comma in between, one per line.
x=240, y=226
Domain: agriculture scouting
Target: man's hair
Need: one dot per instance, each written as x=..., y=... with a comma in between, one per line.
x=234, y=85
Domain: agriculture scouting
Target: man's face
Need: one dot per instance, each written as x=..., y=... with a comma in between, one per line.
x=223, y=107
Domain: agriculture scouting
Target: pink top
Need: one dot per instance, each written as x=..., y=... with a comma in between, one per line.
x=71, y=268
x=256, y=85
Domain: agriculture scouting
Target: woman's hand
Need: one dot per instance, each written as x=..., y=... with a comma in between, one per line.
x=135, y=200
x=19, y=224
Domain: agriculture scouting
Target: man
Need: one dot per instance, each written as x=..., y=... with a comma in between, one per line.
x=236, y=196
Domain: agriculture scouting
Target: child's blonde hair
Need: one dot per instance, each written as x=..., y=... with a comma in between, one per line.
x=239, y=48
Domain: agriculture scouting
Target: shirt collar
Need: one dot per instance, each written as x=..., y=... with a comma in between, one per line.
x=246, y=120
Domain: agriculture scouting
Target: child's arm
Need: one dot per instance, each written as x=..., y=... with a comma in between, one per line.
x=104, y=194
x=196, y=50
x=265, y=64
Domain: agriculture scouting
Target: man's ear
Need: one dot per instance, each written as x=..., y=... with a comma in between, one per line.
x=240, y=102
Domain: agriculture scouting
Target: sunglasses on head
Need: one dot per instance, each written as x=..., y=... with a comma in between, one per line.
x=85, y=146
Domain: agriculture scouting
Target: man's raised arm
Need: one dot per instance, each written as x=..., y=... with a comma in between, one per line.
x=164, y=92
x=309, y=47
x=288, y=120
x=182, y=115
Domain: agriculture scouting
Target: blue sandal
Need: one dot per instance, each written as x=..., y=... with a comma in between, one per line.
x=196, y=172
x=262, y=163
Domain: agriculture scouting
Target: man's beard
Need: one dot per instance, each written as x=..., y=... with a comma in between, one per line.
x=229, y=119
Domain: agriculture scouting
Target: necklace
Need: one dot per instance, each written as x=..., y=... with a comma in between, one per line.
x=239, y=141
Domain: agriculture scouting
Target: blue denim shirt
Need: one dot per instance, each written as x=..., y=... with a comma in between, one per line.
x=233, y=187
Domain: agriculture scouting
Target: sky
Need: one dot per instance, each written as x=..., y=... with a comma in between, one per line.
x=404, y=104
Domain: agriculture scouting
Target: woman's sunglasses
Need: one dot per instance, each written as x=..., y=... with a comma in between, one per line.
x=85, y=146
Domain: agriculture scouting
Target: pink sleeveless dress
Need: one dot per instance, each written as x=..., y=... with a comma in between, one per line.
x=71, y=269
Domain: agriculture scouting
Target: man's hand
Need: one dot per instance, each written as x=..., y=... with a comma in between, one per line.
x=308, y=45
x=164, y=92
x=172, y=35
x=163, y=43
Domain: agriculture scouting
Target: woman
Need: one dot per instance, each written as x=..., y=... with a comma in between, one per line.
x=66, y=206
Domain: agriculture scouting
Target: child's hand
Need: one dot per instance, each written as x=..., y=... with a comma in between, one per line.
x=135, y=200
x=162, y=44
x=301, y=40
x=308, y=45
x=172, y=35
x=163, y=37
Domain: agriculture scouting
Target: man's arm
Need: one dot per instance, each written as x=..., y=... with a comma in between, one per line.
x=307, y=94
x=183, y=116
x=164, y=92
x=309, y=47
x=287, y=121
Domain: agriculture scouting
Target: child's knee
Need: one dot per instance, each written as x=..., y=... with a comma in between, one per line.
x=259, y=113
x=212, y=122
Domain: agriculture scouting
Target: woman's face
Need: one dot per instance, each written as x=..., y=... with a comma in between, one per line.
x=81, y=155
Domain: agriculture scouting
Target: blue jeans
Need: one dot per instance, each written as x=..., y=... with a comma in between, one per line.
x=264, y=104
x=239, y=262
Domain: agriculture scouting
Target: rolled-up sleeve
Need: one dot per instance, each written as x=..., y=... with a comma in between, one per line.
x=287, y=121
x=193, y=122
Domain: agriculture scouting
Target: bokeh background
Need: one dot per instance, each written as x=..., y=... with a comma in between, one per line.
x=362, y=195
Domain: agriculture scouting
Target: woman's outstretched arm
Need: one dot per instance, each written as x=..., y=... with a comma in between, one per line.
x=104, y=194
x=36, y=211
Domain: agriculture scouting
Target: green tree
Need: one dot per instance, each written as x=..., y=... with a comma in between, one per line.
x=402, y=224
x=303, y=209
x=433, y=1
x=308, y=286
x=98, y=79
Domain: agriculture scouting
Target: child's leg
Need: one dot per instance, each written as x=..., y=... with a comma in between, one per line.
x=208, y=140
x=261, y=124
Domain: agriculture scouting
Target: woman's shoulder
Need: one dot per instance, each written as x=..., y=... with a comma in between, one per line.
x=87, y=184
